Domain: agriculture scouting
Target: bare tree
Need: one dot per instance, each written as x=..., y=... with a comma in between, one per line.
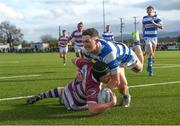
x=10, y=34
x=46, y=38
x=178, y=39
x=50, y=40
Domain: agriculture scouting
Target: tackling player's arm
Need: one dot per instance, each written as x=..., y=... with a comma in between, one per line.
x=98, y=108
x=79, y=62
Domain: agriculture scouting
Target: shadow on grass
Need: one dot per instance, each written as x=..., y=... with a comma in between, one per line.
x=20, y=112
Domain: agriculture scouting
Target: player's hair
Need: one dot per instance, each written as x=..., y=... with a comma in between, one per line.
x=64, y=31
x=91, y=32
x=99, y=69
x=150, y=7
x=80, y=23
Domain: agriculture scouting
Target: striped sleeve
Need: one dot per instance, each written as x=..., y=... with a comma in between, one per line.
x=109, y=57
x=158, y=20
x=112, y=62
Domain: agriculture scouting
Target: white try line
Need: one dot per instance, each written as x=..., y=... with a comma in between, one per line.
x=14, y=98
x=166, y=66
x=155, y=84
x=9, y=62
x=135, y=86
x=32, y=75
x=161, y=64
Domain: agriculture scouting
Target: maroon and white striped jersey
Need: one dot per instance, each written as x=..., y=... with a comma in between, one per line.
x=63, y=41
x=77, y=35
x=78, y=93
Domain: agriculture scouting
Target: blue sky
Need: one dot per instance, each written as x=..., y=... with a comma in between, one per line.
x=39, y=17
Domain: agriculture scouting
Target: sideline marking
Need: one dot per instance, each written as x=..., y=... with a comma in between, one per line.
x=166, y=66
x=9, y=61
x=135, y=86
x=161, y=64
x=32, y=75
x=154, y=84
x=14, y=98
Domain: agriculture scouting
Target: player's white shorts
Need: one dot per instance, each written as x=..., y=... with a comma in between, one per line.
x=77, y=49
x=150, y=41
x=63, y=49
x=132, y=62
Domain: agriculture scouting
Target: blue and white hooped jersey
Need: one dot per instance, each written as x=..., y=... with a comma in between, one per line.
x=110, y=53
x=108, y=36
x=150, y=31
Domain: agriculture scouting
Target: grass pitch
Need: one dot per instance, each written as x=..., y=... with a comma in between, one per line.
x=30, y=74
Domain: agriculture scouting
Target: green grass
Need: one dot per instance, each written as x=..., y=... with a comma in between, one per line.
x=157, y=105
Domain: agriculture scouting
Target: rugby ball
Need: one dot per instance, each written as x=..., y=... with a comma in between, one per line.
x=104, y=95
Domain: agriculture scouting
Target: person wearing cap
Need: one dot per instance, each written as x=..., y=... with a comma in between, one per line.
x=116, y=56
x=83, y=91
x=151, y=23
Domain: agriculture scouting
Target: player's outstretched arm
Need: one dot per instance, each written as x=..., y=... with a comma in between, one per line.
x=98, y=108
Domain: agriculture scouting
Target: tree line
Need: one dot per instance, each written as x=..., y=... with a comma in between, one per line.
x=10, y=34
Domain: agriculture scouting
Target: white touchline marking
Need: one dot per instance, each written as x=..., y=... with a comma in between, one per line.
x=32, y=75
x=154, y=84
x=135, y=86
x=167, y=66
x=9, y=62
x=14, y=98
